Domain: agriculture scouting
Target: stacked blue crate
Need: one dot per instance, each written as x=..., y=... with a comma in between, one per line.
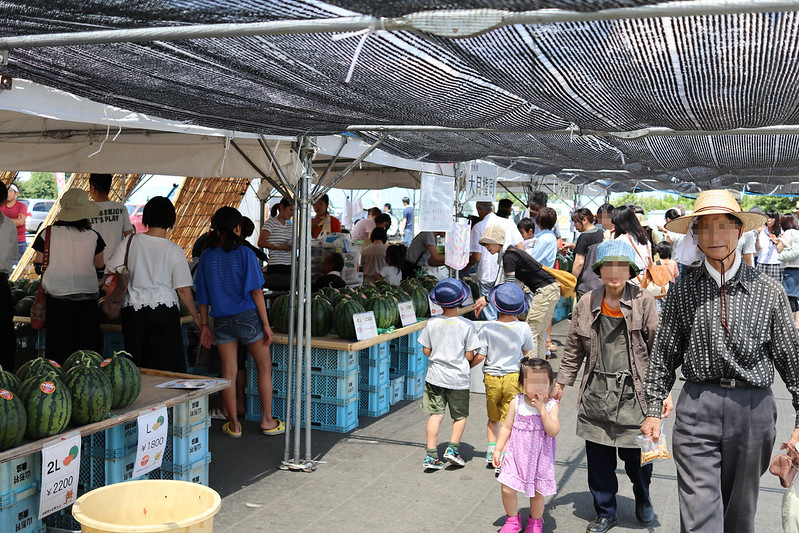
x=187, y=454
x=374, y=389
x=408, y=359
x=334, y=393
x=19, y=495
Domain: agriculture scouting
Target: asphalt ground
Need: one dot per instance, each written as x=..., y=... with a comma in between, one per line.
x=372, y=479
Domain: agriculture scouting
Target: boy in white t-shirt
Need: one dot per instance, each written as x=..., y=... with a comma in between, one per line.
x=113, y=222
x=450, y=342
x=503, y=343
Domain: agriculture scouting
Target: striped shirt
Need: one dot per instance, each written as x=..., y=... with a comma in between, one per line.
x=691, y=335
x=279, y=234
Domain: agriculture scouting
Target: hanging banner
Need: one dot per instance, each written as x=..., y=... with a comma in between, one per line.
x=60, y=467
x=437, y=202
x=481, y=182
x=456, y=249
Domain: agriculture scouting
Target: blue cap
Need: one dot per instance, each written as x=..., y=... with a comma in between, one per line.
x=615, y=251
x=450, y=292
x=509, y=299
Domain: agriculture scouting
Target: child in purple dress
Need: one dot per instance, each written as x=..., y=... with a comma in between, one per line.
x=529, y=432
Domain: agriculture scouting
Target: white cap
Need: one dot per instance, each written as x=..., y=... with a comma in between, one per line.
x=13, y=187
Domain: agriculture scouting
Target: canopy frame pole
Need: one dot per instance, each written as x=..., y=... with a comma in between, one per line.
x=290, y=347
x=306, y=156
x=372, y=147
x=450, y=23
x=256, y=168
x=301, y=201
x=275, y=164
x=344, y=140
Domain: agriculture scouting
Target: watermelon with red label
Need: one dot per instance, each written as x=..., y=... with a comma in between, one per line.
x=125, y=378
x=48, y=405
x=12, y=419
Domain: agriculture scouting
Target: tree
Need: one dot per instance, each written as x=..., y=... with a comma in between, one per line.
x=781, y=204
x=39, y=185
x=651, y=203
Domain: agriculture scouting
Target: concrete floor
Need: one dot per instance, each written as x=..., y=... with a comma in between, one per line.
x=372, y=479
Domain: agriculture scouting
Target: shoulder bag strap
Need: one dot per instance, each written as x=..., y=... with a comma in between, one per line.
x=636, y=249
x=127, y=250
x=46, y=253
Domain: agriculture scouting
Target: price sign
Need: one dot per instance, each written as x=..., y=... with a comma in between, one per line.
x=435, y=309
x=407, y=313
x=365, y=325
x=60, y=468
x=153, y=425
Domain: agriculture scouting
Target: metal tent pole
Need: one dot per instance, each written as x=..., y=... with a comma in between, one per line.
x=304, y=206
x=306, y=271
x=290, y=345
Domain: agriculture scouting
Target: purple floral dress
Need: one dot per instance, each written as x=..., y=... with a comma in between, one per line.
x=529, y=462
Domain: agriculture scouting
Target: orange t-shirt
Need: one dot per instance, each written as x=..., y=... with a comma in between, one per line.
x=615, y=313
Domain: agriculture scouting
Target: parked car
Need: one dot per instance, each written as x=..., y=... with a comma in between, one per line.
x=135, y=212
x=37, y=212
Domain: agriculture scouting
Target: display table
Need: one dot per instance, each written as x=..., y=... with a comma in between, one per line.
x=148, y=398
x=103, y=325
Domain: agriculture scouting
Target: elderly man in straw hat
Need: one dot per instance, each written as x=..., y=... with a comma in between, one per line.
x=727, y=325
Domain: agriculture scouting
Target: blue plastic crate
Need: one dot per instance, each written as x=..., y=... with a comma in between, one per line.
x=396, y=384
x=29, y=342
x=62, y=520
x=22, y=514
x=189, y=413
x=103, y=471
x=414, y=386
x=374, y=403
x=341, y=362
x=19, y=475
x=114, y=442
x=373, y=375
x=407, y=342
x=324, y=416
x=328, y=386
x=185, y=449
x=195, y=472
x=112, y=342
x=378, y=352
x=406, y=362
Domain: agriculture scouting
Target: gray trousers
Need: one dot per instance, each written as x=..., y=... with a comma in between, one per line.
x=722, y=443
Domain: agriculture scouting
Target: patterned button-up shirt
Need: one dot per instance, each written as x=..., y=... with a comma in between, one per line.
x=690, y=334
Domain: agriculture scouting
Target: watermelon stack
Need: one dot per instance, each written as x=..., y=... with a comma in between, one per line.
x=39, y=367
x=13, y=420
x=48, y=405
x=73, y=359
x=90, y=390
x=342, y=318
x=125, y=378
x=279, y=319
x=421, y=305
x=385, y=310
x=321, y=317
x=9, y=381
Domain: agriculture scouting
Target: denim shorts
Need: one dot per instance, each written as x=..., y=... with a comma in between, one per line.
x=246, y=328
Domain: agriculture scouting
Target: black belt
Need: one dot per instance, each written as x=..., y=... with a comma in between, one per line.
x=731, y=383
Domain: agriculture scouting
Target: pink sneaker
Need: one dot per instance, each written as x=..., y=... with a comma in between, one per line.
x=534, y=525
x=513, y=524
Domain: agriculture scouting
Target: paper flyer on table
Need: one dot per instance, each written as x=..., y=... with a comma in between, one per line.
x=189, y=384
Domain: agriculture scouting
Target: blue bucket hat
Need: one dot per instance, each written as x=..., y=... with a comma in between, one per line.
x=450, y=292
x=509, y=299
x=616, y=251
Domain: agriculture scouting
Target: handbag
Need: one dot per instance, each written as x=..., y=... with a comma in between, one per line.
x=38, y=309
x=117, y=287
x=566, y=280
x=655, y=277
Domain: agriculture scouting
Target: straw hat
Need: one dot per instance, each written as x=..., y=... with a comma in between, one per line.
x=716, y=202
x=75, y=205
x=493, y=235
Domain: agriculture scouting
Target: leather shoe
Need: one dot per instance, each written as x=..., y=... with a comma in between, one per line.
x=600, y=524
x=644, y=512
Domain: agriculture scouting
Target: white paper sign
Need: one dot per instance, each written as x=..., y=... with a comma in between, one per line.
x=153, y=427
x=60, y=468
x=435, y=309
x=437, y=203
x=365, y=325
x=407, y=314
x=481, y=182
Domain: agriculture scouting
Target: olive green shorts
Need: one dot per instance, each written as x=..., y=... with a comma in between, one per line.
x=435, y=400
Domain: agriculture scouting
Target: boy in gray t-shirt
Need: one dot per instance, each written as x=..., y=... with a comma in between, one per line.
x=450, y=342
x=503, y=343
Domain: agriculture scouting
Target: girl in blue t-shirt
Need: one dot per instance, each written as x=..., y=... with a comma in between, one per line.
x=229, y=280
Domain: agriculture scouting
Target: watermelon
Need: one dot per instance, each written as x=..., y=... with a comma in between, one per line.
x=38, y=367
x=13, y=420
x=23, y=307
x=90, y=391
x=279, y=319
x=80, y=355
x=385, y=311
x=125, y=378
x=48, y=405
x=342, y=318
x=321, y=317
x=33, y=287
x=421, y=305
x=9, y=381
x=17, y=295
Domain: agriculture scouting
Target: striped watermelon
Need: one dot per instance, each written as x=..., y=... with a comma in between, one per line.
x=420, y=303
x=342, y=318
x=12, y=419
x=321, y=317
x=48, y=405
x=75, y=357
x=385, y=310
x=125, y=378
x=9, y=381
x=279, y=318
x=91, y=392
x=39, y=367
